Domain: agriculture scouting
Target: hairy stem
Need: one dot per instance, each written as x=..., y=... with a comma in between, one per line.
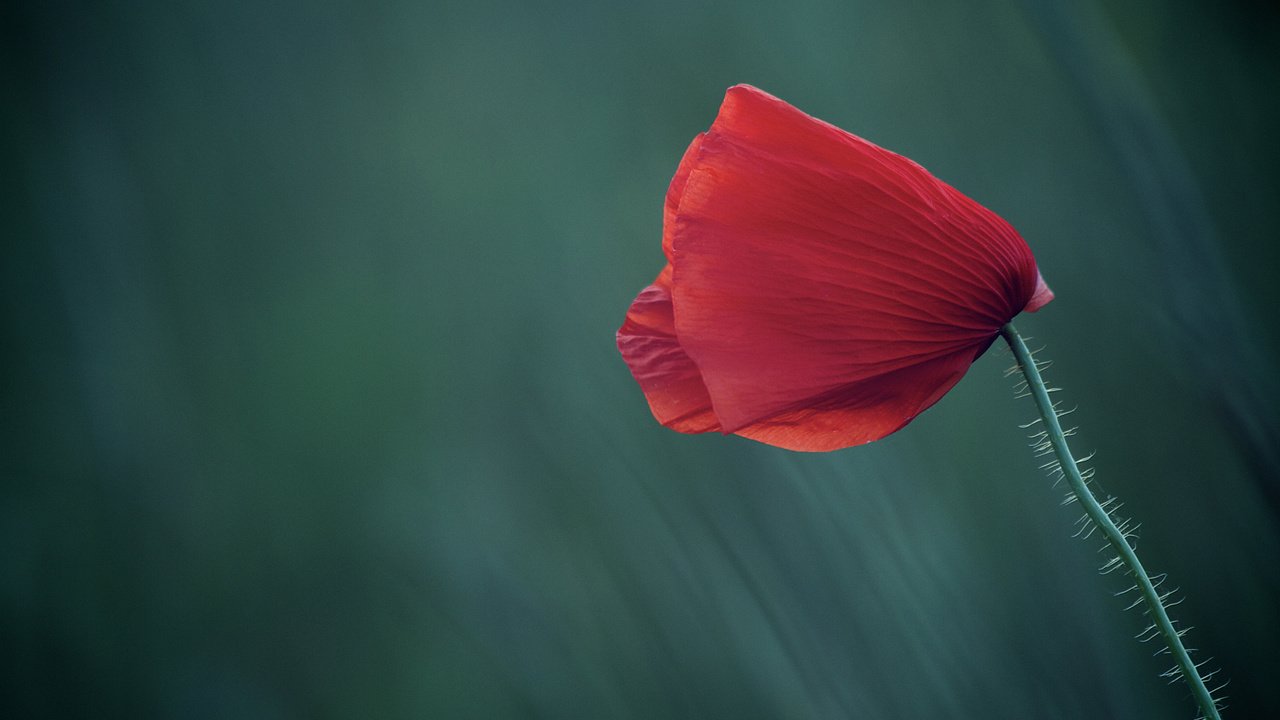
x=1102, y=519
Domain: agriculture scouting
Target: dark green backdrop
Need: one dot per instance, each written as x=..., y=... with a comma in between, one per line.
x=311, y=406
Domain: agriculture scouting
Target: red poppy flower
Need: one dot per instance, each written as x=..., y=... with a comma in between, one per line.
x=820, y=291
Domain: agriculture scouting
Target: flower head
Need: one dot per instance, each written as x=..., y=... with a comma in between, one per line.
x=820, y=291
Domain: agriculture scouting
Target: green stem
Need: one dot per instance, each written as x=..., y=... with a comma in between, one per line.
x=1102, y=519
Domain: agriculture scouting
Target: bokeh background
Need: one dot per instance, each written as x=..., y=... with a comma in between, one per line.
x=311, y=406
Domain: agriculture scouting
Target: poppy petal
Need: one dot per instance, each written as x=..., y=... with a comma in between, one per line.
x=818, y=277
x=1040, y=297
x=863, y=413
x=670, y=381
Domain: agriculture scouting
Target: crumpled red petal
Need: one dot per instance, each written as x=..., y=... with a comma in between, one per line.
x=669, y=379
x=821, y=291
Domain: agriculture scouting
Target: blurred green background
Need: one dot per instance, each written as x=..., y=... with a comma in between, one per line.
x=311, y=406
